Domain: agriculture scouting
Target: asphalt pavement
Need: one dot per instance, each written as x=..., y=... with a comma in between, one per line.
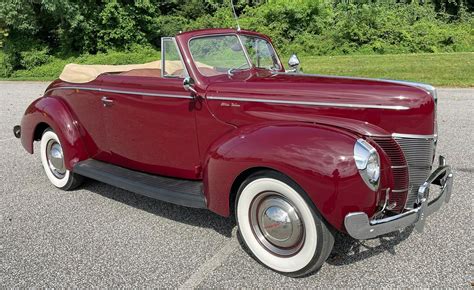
x=101, y=236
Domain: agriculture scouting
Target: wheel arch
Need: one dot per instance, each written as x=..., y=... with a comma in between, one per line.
x=319, y=159
x=241, y=178
x=39, y=130
x=52, y=112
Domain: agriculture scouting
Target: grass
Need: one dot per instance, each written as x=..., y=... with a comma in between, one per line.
x=439, y=69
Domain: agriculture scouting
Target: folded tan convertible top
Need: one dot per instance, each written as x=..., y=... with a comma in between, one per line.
x=83, y=73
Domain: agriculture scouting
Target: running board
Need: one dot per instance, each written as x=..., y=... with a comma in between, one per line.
x=178, y=191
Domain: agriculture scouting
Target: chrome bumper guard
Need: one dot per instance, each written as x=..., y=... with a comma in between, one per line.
x=360, y=227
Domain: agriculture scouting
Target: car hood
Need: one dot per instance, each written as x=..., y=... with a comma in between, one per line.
x=389, y=106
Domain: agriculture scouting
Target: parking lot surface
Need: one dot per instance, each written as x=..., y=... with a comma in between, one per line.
x=102, y=236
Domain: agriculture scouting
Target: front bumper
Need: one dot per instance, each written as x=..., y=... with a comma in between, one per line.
x=360, y=227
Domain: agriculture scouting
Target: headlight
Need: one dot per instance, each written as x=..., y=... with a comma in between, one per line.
x=368, y=162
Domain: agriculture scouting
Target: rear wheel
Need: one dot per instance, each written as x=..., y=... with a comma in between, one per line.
x=280, y=226
x=52, y=158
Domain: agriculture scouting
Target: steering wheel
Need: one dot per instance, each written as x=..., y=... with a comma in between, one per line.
x=231, y=70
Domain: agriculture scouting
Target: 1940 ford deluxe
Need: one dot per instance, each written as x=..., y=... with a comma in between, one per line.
x=219, y=124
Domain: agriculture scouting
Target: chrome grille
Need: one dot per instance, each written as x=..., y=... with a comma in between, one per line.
x=398, y=195
x=418, y=153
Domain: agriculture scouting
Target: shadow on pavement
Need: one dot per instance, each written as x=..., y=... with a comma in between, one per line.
x=196, y=217
x=348, y=250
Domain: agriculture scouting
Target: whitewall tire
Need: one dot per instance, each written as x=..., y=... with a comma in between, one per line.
x=280, y=226
x=52, y=158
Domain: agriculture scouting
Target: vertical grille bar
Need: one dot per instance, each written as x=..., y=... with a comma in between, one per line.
x=398, y=195
x=418, y=153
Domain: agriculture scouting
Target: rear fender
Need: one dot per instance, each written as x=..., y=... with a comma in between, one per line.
x=54, y=113
x=318, y=158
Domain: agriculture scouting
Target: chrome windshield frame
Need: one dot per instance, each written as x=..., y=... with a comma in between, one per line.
x=217, y=35
x=280, y=65
x=251, y=65
x=247, y=57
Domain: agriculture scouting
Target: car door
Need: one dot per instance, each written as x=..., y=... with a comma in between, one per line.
x=85, y=103
x=151, y=124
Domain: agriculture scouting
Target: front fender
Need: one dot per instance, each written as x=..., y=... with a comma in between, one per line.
x=56, y=114
x=318, y=158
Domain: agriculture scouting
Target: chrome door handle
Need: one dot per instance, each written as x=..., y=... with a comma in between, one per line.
x=106, y=101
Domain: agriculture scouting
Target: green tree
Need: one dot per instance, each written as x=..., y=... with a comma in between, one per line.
x=32, y=31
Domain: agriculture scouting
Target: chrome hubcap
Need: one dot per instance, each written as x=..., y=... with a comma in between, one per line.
x=54, y=153
x=276, y=223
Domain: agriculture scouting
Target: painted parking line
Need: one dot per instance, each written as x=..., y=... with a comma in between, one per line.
x=210, y=265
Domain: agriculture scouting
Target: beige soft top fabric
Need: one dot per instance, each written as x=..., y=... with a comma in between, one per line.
x=83, y=73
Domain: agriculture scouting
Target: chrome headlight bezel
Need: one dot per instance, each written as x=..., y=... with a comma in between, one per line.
x=367, y=161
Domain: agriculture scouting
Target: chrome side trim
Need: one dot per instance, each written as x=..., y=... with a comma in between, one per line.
x=120, y=92
x=413, y=136
x=321, y=104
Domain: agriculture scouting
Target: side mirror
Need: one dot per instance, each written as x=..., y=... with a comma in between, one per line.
x=294, y=63
x=188, y=85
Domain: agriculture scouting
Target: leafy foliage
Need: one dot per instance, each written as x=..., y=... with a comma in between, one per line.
x=33, y=31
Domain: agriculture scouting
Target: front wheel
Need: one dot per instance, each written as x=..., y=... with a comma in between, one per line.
x=52, y=158
x=280, y=226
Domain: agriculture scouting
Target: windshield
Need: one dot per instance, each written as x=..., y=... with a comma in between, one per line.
x=224, y=54
x=214, y=55
x=260, y=52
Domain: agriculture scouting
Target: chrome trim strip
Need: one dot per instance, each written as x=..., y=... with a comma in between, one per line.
x=399, y=190
x=322, y=104
x=120, y=92
x=399, y=166
x=413, y=136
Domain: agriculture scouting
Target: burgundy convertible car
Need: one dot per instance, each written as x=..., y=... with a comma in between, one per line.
x=219, y=124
